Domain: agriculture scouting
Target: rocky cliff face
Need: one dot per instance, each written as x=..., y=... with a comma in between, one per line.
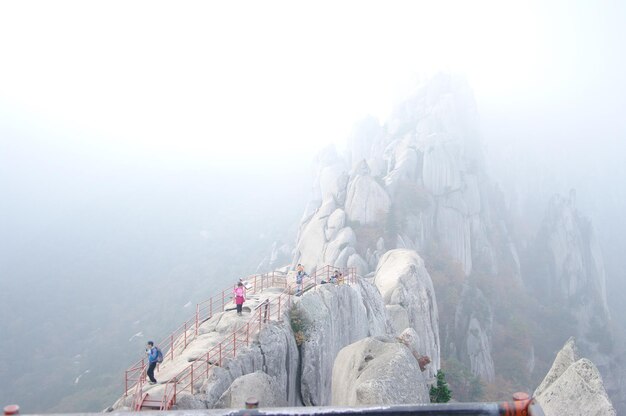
x=569, y=272
x=573, y=269
x=473, y=323
x=417, y=180
x=409, y=297
x=282, y=369
x=418, y=183
x=335, y=316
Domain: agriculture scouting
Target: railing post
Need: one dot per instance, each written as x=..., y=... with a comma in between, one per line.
x=191, y=382
x=267, y=304
x=220, y=354
x=255, y=283
x=197, y=317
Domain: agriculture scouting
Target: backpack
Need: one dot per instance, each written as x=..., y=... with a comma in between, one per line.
x=159, y=355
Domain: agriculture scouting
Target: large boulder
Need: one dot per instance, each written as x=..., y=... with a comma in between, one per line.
x=259, y=385
x=405, y=285
x=377, y=371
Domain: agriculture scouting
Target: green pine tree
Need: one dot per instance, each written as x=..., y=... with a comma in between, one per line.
x=441, y=393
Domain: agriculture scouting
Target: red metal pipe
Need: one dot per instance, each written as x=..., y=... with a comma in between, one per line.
x=12, y=409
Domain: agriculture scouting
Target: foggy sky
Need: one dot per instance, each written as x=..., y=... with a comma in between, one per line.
x=231, y=83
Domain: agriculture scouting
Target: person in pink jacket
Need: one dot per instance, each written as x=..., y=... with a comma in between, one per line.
x=240, y=297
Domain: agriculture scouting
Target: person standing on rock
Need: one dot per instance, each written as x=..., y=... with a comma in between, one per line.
x=153, y=357
x=300, y=273
x=240, y=297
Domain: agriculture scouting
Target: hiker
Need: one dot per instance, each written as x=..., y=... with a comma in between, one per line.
x=334, y=277
x=240, y=292
x=300, y=273
x=153, y=359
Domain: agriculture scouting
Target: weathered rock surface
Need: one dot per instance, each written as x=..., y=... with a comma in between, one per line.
x=335, y=316
x=566, y=357
x=573, y=387
x=377, y=371
x=574, y=268
x=367, y=201
x=258, y=385
x=473, y=329
x=405, y=285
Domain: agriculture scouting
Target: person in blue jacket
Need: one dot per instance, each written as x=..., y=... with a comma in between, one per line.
x=153, y=356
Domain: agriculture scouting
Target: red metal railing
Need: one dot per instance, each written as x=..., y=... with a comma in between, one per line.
x=196, y=372
x=177, y=341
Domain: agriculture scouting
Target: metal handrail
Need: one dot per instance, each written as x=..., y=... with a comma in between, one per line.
x=185, y=333
x=227, y=348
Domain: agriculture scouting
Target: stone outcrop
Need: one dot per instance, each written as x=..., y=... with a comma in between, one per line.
x=573, y=265
x=367, y=202
x=573, y=387
x=377, y=371
x=258, y=385
x=473, y=329
x=418, y=180
x=568, y=270
x=335, y=316
x=407, y=290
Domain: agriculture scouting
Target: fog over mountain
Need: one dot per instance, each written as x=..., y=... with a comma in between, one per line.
x=150, y=155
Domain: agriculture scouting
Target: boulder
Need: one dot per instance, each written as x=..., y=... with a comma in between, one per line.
x=579, y=391
x=377, y=371
x=573, y=387
x=403, y=281
x=344, y=238
x=258, y=385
